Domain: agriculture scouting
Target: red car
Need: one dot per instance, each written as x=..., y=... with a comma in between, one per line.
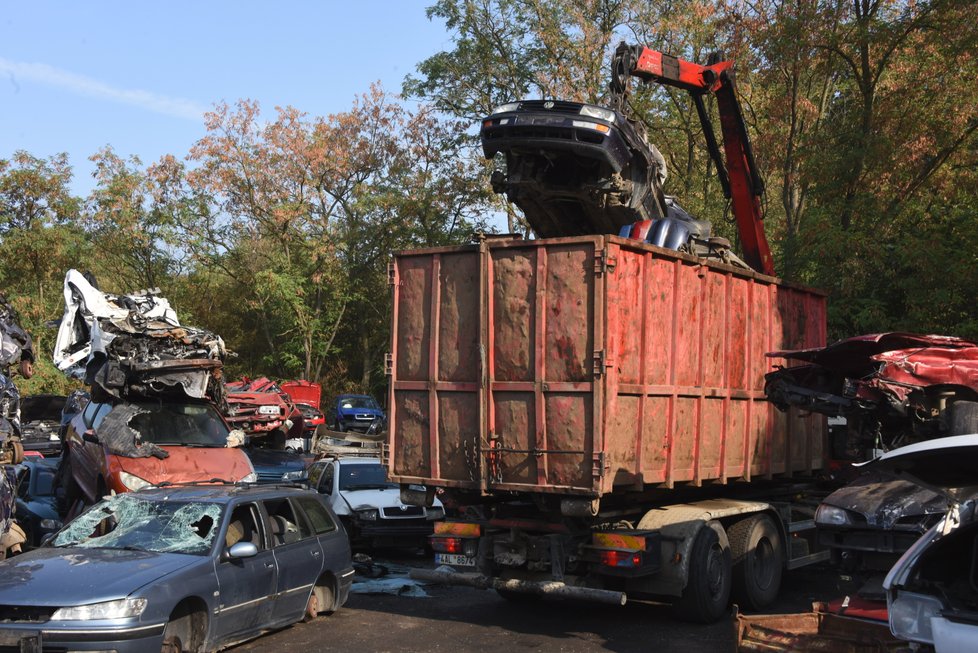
x=893, y=388
x=259, y=407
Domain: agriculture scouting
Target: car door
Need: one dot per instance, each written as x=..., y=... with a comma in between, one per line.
x=298, y=556
x=87, y=459
x=246, y=586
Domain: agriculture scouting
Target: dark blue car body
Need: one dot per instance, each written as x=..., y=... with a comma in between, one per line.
x=359, y=413
x=37, y=506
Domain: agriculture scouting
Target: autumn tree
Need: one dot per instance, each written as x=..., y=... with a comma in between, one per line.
x=303, y=212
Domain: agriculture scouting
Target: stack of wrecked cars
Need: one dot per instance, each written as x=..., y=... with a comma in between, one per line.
x=156, y=390
x=888, y=390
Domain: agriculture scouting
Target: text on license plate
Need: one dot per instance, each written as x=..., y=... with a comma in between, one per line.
x=454, y=559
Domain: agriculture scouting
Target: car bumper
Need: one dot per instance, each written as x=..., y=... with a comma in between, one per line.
x=81, y=637
x=870, y=540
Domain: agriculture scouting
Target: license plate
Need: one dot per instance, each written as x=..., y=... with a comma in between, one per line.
x=20, y=640
x=454, y=559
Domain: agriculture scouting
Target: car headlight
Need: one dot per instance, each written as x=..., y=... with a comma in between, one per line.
x=250, y=478
x=120, y=609
x=435, y=513
x=296, y=475
x=268, y=410
x=50, y=524
x=827, y=515
x=598, y=112
x=911, y=614
x=506, y=108
x=133, y=482
x=367, y=515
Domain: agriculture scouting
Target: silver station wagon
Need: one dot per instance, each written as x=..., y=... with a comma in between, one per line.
x=181, y=568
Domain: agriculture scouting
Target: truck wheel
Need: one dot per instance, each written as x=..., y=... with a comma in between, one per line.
x=964, y=418
x=707, y=592
x=758, y=561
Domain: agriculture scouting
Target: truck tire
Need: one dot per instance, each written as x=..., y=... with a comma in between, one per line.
x=707, y=592
x=964, y=418
x=757, y=554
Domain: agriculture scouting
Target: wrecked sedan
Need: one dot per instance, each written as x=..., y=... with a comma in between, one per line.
x=176, y=569
x=574, y=169
x=125, y=446
x=37, y=506
x=932, y=591
x=893, y=388
x=871, y=521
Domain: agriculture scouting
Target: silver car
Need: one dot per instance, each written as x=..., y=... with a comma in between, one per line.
x=180, y=568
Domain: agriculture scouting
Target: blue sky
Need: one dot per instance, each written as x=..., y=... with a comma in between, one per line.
x=76, y=76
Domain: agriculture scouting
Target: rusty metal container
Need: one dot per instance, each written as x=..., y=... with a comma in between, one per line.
x=590, y=365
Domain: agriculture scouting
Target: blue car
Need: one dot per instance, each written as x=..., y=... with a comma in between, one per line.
x=194, y=568
x=359, y=413
x=37, y=506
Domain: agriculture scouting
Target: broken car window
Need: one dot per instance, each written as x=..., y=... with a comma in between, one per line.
x=138, y=430
x=127, y=522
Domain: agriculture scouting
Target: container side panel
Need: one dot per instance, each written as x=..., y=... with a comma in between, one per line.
x=712, y=422
x=656, y=438
x=661, y=311
x=515, y=424
x=458, y=338
x=713, y=331
x=569, y=345
x=570, y=429
x=413, y=332
x=622, y=431
x=687, y=329
x=684, y=441
x=458, y=442
x=738, y=346
x=736, y=440
x=412, y=456
x=514, y=317
x=628, y=302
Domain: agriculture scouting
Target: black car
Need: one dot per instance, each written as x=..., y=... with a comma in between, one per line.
x=37, y=507
x=40, y=423
x=573, y=168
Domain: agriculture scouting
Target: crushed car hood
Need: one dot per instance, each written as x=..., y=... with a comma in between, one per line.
x=183, y=464
x=885, y=501
x=132, y=343
x=76, y=576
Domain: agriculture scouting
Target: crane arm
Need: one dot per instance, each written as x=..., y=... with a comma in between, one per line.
x=737, y=170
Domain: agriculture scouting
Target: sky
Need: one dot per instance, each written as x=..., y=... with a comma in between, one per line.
x=77, y=76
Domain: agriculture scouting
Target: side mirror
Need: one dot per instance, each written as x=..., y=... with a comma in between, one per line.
x=242, y=550
x=89, y=436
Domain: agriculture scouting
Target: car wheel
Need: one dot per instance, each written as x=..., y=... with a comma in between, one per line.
x=757, y=555
x=964, y=418
x=707, y=591
x=321, y=601
x=184, y=630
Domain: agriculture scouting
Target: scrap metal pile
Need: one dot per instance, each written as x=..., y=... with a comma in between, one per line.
x=134, y=345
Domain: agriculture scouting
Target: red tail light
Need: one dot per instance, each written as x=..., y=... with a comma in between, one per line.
x=446, y=544
x=621, y=558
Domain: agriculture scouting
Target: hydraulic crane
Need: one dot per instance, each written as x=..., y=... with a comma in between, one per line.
x=739, y=177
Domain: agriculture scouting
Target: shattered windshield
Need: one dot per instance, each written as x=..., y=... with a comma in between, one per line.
x=127, y=522
x=188, y=424
x=363, y=477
